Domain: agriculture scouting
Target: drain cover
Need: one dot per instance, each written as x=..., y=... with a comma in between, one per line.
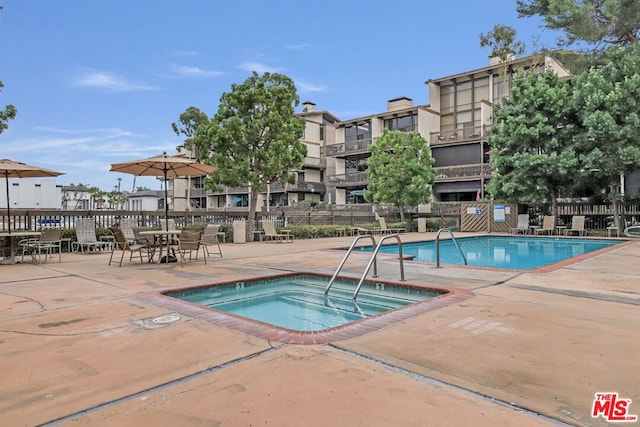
x=168, y=318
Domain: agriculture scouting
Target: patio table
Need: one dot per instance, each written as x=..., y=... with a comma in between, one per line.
x=166, y=235
x=14, y=238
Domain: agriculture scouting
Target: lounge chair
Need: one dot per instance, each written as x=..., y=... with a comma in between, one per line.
x=384, y=229
x=548, y=225
x=632, y=231
x=86, y=237
x=270, y=233
x=577, y=226
x=210, y=239
x=522, y=226
x=121, y=243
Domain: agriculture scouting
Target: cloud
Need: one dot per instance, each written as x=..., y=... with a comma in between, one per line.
x=299, y=46
x=306, y=87
x=184, y=53
x=259, y=67
x=187, y=71
x=109, y=81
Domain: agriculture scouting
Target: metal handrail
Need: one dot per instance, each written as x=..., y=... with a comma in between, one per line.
x=455, y=242
x=344, y=259
x=373, y=258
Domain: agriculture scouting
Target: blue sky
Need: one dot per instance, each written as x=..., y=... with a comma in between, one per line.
x=98, y=82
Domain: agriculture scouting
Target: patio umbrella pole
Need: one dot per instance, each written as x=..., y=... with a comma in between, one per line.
x=166, y=211
x=6, y=178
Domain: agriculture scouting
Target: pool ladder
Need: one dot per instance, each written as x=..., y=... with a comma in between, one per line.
x=455, y=242
x=372, y=261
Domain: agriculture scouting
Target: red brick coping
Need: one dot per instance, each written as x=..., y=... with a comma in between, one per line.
x=288, y=336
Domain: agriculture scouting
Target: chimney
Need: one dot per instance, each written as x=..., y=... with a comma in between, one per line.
x=399, y=103
x=308, y=107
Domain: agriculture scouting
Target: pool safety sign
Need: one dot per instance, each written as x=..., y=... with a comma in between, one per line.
x=499, y=212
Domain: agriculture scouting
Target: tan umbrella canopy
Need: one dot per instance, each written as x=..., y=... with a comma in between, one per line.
x=13, y=169
x=163, y=166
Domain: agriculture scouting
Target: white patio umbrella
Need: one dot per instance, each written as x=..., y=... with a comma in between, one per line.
x=163, y=166
x=13, y=169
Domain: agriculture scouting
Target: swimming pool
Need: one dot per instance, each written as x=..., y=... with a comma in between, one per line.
x=293, y=307
x=514, y=253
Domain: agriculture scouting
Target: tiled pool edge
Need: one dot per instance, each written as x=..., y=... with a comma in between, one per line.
x=287, y=336
x=543, y=269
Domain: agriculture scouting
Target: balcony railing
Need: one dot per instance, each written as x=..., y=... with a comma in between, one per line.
x=300, y=186
x=356, y=178
x=195, y=192
x=455, y=135
x=349, y=147
x=457, y=173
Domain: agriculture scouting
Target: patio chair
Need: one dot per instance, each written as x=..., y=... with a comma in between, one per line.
x=548, y=225
x=270, y=233
x=210, y=239
x=148, y=245
x=577, y=226
x=126, y=225
x=384, y=229
x=86, y=239
x=190, y=240
x=121, y=243
x=522, y=226
x=49, y=242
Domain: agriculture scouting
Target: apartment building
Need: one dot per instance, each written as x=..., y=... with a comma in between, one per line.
x=310, y=187
x=456, y=122
x=347, y=157
x=464, y=104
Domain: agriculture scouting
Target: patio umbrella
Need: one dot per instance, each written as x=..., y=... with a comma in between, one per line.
x=163, y=166
x=13, y=169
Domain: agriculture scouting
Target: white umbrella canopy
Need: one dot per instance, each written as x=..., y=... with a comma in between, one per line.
x=163, y=166
x=13, y=169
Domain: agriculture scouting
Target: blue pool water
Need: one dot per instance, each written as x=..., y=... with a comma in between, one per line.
x=298, y=301
x=516, y=253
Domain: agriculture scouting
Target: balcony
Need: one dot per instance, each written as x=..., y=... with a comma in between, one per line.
x=195, y=192
x=349, y=179
x=349, y=147
x=298, y=187
x=452, y=136
x=463, y=173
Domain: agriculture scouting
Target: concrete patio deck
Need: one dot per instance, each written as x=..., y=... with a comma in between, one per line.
x=527, y=349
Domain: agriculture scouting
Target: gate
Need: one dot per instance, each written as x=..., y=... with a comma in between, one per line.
x=488, y=216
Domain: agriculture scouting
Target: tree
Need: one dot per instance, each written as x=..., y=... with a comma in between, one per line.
x=504, y=46
x=8, y=113
x=190, y=120
x=532, y=143
x=606, y=100
x=254, y=138
x=502, y=41
x=400, y=170
x=96, y=196
x=598, y=23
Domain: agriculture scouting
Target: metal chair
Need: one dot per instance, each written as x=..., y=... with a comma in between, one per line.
x=190, y=240
x=49, y=242
x=121, y=243
x=210, y=239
